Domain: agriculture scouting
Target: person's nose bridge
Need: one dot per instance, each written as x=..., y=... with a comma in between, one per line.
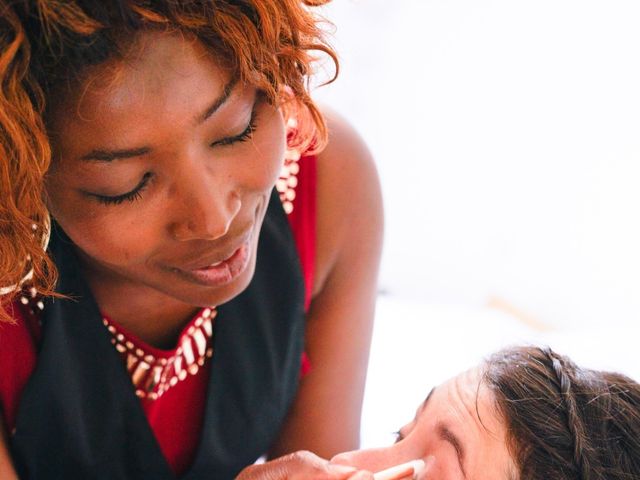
x=207, y=205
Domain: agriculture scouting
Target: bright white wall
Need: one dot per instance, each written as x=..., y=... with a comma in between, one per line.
x=507, y=136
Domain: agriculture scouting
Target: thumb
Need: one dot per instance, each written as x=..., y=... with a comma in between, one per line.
x=347, y=472
x=298, y=466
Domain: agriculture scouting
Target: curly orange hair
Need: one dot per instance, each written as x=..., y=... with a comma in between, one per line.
x=47, y=43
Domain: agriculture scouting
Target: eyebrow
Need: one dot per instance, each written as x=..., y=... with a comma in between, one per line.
x=448, y=436
x=218, y=102
x=102, y=155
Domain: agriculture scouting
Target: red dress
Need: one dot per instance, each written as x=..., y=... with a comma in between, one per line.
x=171, y=384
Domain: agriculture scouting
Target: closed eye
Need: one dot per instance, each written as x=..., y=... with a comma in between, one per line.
x=398, y=435
x=131, y=196
x=246, y=134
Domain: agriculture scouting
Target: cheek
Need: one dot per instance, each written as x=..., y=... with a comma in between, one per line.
x=113, y=238
x=113, y=242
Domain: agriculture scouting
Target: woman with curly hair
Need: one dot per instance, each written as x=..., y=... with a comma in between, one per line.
x=526, y=413
x=188, y=252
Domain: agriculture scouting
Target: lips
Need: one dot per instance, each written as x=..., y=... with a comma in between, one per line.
x=217, y=269
x=222, y=272
x=227, y=261
x=212, y=261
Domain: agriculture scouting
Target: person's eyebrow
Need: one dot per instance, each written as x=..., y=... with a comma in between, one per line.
x=218, y=102
x=102, y=155
x=448, y=436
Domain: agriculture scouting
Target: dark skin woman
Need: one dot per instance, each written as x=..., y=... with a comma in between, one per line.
x=145, y=138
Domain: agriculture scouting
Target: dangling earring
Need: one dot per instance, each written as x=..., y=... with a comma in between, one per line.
x=46, y=225
x=286, y=184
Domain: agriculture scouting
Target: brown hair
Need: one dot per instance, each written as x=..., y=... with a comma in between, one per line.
x=566, y=422
x=45, y=44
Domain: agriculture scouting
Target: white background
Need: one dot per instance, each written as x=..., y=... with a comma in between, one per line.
x=507, y=137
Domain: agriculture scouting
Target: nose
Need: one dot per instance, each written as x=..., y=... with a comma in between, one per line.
x=205, y=209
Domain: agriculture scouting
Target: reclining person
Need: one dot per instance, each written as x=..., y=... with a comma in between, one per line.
x=526, y=413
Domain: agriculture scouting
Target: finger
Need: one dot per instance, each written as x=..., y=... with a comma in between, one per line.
x=285, y=467
x=300, y=465
x=344, y=472
x=362, y=475
x=373, y=459
x=405, y=470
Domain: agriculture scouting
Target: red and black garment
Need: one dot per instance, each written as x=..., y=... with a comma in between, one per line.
x=78, y=415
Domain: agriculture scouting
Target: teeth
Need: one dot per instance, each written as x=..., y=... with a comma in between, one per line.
x=215, y=264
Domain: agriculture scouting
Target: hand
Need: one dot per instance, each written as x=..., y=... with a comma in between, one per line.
x=302, y=466
x=387, y=465
x=403, y=471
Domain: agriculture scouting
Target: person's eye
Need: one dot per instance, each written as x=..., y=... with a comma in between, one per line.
x=247, y=134
x=131, y=196
x=398, y=436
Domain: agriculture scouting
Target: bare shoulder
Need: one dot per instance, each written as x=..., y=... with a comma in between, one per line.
x=349, y=197
x=346, y=146
x=340, y=320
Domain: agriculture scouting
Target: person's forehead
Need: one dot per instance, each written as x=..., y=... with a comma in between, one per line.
x=170, y=53
x=460, y=400
x=154, y=66
x=121, y=102
x=467, y=406
x=476, y=403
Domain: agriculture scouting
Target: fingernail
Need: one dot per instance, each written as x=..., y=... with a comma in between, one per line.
x=342, y=468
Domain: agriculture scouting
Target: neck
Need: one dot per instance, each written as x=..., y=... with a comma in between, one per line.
x=150, y=315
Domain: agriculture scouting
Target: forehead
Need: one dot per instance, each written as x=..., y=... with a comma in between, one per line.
x=471, y=401
x=162, y=77
x=155, y=68
x=468, y=407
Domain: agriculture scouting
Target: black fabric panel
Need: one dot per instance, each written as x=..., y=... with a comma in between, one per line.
x=79, y=416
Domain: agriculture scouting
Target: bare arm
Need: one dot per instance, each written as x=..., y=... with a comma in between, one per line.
x=325, y=417
x=7, y=472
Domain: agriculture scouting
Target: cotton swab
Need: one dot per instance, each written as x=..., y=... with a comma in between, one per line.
x=400, y=471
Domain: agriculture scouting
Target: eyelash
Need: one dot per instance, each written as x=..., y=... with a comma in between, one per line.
x=243, y=137
x=136, y=193
x=131, y=196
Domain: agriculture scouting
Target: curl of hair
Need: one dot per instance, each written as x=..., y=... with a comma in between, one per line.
x=566, y=422
x=24, y=160
x=47, y=45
